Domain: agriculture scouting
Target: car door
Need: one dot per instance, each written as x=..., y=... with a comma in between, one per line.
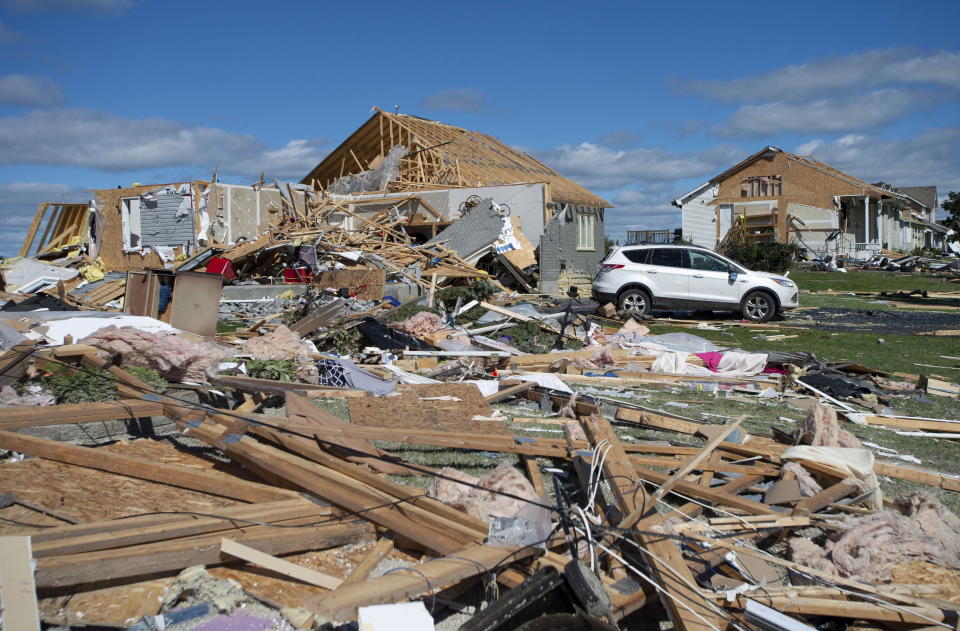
x=672, y=278
x=710, y=283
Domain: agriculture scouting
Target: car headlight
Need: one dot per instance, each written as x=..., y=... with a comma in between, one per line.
x=783, y=282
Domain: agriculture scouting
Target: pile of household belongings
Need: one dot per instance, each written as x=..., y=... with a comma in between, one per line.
x=252, y=500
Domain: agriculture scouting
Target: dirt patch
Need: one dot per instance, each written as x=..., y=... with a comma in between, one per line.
x=871, y=320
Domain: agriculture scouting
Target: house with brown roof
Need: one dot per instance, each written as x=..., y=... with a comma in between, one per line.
x=395, y=154
x=783, y=197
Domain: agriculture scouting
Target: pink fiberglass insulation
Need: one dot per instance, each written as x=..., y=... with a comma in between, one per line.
x=281, y=343
x=920, y=529
x=808, y=485
x=173, y=357
x=484, y=504
x=821, y=429
x=420, y=324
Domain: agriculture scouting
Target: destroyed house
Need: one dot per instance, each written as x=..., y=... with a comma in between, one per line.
x=149, y=225
x=393, y=154
x=786, y=198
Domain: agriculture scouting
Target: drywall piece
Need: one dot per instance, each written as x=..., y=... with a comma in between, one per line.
x=31, y=276
x=396, y=617
x=18, y=595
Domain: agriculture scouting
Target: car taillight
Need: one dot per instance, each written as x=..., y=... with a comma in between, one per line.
x=608, y=268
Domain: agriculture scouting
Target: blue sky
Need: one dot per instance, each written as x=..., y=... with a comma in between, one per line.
x=638, y=101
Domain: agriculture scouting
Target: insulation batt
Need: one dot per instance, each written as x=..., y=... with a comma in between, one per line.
x=821, y=429
x=281, y=343
x=175, y=358
x=420, y=324
x=918, y=529
x=484, y=504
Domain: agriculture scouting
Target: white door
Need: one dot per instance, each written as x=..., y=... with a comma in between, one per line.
x=710, y=282
x=672, y=279
x=726, y=220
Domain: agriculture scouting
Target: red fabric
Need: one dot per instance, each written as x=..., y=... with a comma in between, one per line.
x=711, y=360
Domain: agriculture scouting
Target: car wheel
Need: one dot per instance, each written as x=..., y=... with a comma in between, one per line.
x=635, y=300
x=758, y=306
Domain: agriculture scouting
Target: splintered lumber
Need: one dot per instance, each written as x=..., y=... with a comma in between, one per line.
x=662, y=554
x=824, y=498
x=118, y=533
x=428, y=577
x=280, y=566
x=871, y=610
x=381, y=508
x=222, y=485
x=692, y=463
x=29, y=416
x=13, y=362
x=709, y=495
x=104, y=566
x=922, y=424
x=510, y=391
x=361, y=570
x=660, y=421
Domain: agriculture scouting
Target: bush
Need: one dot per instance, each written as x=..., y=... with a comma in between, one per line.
x=150, y=377
x=273, y=369
x=776, y=258
x=84, y=386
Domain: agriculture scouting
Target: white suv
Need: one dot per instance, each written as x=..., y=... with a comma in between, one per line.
x=644, y=277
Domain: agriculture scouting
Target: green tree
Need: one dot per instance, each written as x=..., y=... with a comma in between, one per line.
x=952, y=206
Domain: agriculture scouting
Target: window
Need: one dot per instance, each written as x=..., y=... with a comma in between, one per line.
x=638, y=256
x=585, y=231
x=706, y=262
x=130, y=221
x=667, y=257
x=761, y=186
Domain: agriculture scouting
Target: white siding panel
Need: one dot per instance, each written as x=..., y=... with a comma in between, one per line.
x=699, y=219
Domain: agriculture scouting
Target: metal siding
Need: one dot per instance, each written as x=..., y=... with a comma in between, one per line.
x=699, y=220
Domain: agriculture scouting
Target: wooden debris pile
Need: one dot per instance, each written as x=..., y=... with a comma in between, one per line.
x=318, y=516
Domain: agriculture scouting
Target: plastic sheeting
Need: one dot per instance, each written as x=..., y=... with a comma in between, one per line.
x=732, y=365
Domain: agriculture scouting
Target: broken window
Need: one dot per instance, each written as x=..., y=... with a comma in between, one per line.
x=761, y=186
x=585, y=230
x=130, y=219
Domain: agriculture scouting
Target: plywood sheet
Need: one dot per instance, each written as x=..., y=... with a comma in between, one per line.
x=89, y=495
x=367, y=284
x=427, y=407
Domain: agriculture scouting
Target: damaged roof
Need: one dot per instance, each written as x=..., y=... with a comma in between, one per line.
x=808, y=161
x=444, y=155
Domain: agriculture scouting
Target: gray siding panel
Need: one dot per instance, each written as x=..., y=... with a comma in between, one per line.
x=159, y=224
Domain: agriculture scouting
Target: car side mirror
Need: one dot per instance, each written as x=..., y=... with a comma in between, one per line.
x=732, y=275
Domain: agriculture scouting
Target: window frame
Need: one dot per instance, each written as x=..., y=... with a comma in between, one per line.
x=586, y=231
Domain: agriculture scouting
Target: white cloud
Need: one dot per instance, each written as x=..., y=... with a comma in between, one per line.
x=466, y=100
x=76, y=6
x=7, y=35
x=830, y=75
x=19, y=89
x=98, y=140
x=18, y=203
x=823, y=115
x=642, y=210
x=931, y=158
x=602, y=168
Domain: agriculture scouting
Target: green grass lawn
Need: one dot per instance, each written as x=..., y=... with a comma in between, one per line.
x=898, y=353
x=870, y=281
